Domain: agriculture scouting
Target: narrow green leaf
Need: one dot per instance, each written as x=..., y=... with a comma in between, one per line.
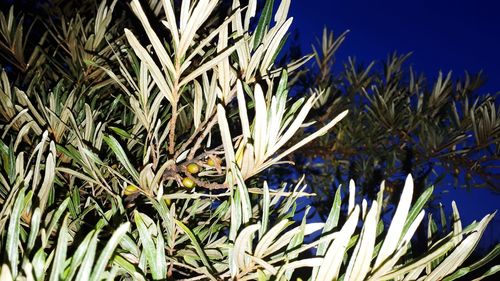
x=161, y=260
x=128, y=267
x=209, y=64
x=147, y=245
x=394, y=233
x=266, y=201
x=359, y=264
x=332, y=261
x=108, y=251
x=263, y=25
x=331, y=221
x=163, y=81
x=196, y=244
x=55, y=219
x=61, y=248
x=270, y=237
x=70, y=152
x=457, y=274
x=122, y=156
x=444, y=227
x=486, y=259
x=78, y=256
x=88, y=260
x=246, y=205
x=34, y=227
x=38, y=263
x=242, y=243
x=490, y=272
x=225, y=134
x=13, y=232
x=417, y=207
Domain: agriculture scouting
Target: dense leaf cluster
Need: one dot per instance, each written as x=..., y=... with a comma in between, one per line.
x=131, y=138
x=444, y=132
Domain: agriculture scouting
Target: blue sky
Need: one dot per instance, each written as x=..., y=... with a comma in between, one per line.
x=442, y=34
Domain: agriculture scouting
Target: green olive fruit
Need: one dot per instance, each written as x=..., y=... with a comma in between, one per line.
x=130, y=189
x=188, y=183
x=168, y=201
x=193, y=168
x=211, y=162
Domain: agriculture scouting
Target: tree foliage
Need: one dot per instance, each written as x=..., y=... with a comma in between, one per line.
x=400, y=122
x=130, y=151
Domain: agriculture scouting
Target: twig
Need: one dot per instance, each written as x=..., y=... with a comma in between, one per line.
x=202, y=137
x=192, y=137
x=171, y=137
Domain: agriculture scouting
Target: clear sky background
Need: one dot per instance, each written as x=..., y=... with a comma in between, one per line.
x=446, y=35
x=455, y=35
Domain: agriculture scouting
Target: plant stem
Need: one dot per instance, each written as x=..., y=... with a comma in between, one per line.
x=207, y=130
x=171, y=137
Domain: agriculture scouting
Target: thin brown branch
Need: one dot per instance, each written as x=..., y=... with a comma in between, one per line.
x=193, y=136
x=171, y=136
x=204, y=134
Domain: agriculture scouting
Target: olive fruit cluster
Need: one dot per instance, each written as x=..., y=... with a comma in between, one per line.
x=194, y=169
